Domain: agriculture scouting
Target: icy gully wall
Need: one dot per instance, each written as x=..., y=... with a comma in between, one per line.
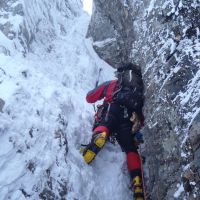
x=163, y=37
x=33, y=153
x=22, y=22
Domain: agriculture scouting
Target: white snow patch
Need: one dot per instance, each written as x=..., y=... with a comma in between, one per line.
x=186, y=167
x=104, y=42
x=87, y=6
x=151, y=6
x=184, y=155
x=125, y=3
x=179, y=190
x=5, y=42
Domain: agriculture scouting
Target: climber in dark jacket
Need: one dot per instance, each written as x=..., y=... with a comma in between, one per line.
x=120, y=114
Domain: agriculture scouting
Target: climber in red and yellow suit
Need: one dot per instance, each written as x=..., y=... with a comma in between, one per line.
x=115, y=118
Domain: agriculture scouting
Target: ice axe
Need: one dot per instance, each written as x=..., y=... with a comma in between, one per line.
x=97, y=83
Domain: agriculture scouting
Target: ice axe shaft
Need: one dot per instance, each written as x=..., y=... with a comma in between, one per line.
x=96, y=84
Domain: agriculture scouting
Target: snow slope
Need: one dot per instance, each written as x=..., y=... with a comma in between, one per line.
x=46, y=118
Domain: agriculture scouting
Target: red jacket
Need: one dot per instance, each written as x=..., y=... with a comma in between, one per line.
x=105, y=90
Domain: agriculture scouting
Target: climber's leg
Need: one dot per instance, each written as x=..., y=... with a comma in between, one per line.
x=97, y=142
x=134, y=168
x=126, y=141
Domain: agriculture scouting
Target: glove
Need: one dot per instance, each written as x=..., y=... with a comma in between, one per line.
x=138, y=138
x=136, y=122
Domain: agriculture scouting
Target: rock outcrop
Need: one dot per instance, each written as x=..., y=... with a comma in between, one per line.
x=2, y=103
x=163, y=38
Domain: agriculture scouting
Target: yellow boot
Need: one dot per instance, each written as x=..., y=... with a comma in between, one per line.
x=137, y=188
x=89, y=156
x=91, y=150
x=100, y=139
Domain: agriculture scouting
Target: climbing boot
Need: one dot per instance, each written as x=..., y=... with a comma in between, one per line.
x=90, y=151
x=100, y=139
x=137, y=187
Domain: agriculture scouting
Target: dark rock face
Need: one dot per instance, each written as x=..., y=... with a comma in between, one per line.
x=112, y=31
x=163, y=38
x=2, y=103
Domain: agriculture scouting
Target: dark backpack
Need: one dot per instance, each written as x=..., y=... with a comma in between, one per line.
x=132, y=98
x=130, y=93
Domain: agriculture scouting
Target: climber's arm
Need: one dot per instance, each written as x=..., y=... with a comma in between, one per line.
x=98, y=93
